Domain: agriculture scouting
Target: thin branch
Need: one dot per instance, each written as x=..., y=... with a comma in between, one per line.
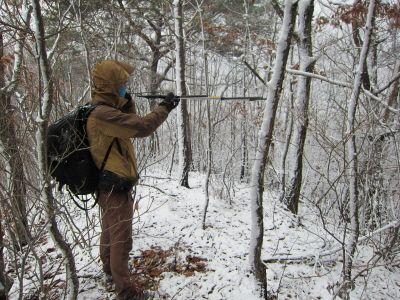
x=394, y=79
x=343, y=84
x=305, y=257
x=136, y=28
x=254, y=71
x=277, y=8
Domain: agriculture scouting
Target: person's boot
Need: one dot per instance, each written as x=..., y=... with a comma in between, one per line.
x=135, y=294
x=108, y=282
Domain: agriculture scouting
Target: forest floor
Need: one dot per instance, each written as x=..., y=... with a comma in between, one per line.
x=175, y=257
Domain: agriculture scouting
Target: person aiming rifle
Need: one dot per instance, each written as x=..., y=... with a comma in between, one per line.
x=110, y=128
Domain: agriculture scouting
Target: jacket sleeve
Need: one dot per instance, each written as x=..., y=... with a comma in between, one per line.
x=115, y=123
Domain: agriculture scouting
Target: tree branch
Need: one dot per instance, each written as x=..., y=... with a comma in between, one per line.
x=136, y=28
x=343, y=84
x=393, y=80
x=306, y=257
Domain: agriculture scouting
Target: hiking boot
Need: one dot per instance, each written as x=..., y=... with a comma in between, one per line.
x=108, y=283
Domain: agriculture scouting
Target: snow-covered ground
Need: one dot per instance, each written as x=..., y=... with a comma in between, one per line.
x=170, y=218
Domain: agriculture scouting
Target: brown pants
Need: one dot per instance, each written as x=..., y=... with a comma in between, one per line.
x=116, y=237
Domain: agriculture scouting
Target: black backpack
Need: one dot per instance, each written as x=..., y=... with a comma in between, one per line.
x=68, y=151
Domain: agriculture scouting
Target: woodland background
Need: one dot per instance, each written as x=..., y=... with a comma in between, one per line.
x=323, y=143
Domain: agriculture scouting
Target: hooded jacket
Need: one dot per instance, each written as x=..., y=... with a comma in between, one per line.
x=117, y=118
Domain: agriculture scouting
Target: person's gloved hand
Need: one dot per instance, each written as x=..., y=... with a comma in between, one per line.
x=170, y=101
x=128, y=97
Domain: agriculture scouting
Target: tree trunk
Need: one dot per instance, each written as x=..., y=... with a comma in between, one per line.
x=352, y=157
x=154, y=83
x=3, y=290
x=243, y=145
x=306, y=10
x=288, y=137
x=243, y=133
x=5, y=284
x=365, y=80
x=264, y=143
x=184, y=145
x=394, y=92
x=209, y=127
x=46, y=194
x=14, y=162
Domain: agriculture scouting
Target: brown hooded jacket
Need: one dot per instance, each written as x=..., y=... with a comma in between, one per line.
x=117, y=118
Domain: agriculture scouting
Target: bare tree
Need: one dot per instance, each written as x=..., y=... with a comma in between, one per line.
x=288, y=138
x=209, y=127
x=352, y=154
x=365, y=78
x=264, y=142
x=41, y=140
x=9, y=137
x=306, y=10
x=184, y=145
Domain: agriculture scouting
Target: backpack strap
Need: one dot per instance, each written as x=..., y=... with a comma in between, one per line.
x=103, y=164
x=119, y=146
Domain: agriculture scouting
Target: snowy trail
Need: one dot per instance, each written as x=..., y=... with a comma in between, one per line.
x=175, y=222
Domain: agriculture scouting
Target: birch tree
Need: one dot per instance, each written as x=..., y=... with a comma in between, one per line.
x=288, y=137
x=352, y=153
x=365, y=78
x=264, y=142
x=46, y=194
x=306, y=10
x=209, y=127
x=184, y=145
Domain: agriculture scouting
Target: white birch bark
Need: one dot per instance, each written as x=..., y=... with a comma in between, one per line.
x=46, y=194
x=209, y=129
x=288, y=138
x=306, y=10
x=352, y=153
x=264, y=142
x=184, y=148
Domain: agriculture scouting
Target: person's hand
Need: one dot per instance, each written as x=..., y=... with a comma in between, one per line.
x=128, y=96
x=170, y=101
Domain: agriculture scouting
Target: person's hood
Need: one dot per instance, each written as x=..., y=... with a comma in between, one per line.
x=108, y=77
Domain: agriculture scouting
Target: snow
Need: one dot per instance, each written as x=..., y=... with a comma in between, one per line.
x=174, y=218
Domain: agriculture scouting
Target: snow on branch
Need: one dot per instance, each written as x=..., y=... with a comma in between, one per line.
x=343, y=84
x=309, y=257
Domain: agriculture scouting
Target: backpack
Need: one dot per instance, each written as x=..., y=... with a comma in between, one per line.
x=68, y=151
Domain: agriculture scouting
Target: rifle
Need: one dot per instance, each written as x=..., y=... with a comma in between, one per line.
x=200, y=97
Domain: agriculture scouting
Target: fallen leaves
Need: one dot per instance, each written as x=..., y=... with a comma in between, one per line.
x=152, y=263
